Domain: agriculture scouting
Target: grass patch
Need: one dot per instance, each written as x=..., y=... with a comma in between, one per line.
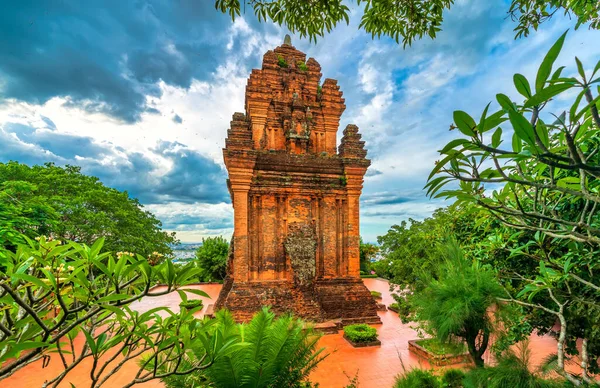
x=436, y=347
x=360, y=333
x=376, y=294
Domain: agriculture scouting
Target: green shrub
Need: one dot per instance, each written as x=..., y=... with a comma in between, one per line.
x=360, y=333
x=453, y=378
x=417, y=378
x=302, y=66
x=281, y=61
x=376, y=294
x=191, y=303
x=369, y=276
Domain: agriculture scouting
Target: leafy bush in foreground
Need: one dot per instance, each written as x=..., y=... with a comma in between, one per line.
x=267, y=352
x=53, y=295
x=360, y=333
x=417, y=378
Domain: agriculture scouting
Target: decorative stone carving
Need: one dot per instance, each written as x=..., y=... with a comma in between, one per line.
x=301, y=246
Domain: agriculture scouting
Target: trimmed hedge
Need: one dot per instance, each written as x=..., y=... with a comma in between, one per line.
x=368, y=276
x=191, y=304
x=360, y=333
x=376, y=294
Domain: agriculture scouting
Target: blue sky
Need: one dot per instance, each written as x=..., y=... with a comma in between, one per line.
x=141, y=93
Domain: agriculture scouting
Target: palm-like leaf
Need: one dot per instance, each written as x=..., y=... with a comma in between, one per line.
x=273, y=352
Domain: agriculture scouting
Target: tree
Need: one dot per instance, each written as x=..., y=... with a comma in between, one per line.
x=52, y=294
x=269, y=352
x=543, y=186
x=67, y=205
x=402, y=20
x=211, y=258
x=367, y=251
x=457, y=304
x=411, y=248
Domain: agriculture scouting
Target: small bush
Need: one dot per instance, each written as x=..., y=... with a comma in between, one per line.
x=369, y=276
x=302, y=66
x=281, y=61
x=360, y=333
x=191, y=304
x=417, y=378
x=453, y=378
x=376, y=294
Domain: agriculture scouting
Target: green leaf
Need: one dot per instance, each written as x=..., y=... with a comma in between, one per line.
x=522, y=127
x=547, y=93
x=505, y=102
x=580, y=68
x=557, y=73
x=464, y=122
x=196, y=292
x=496, y=137
x=453, y=144
x=517, y=145
x=522, y=85
x=542, y=132
x=546, y=66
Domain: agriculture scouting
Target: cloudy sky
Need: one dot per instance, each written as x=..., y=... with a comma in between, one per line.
x=140, y=94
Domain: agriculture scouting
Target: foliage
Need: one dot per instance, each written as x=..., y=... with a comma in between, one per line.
x=211, y=258
x=550, y=171
x=191, y=304
x=67, y=205
x=441, y=348
x=456, y=304
x=53, y=294
x=404, y=21
x=360, y=332
x=417, y=378
x=511, y=370
x=281, y=61
x=376, y=294
x=273, y=353
x=453, y=378
x=543, y=185
x=411, y=250
x=367, y=252
x=368, y=276
x=302, y=66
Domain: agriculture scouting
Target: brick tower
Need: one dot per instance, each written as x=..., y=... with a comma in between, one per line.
x=295, y=197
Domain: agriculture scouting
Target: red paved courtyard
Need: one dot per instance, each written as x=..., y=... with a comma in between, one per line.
x=376, y=366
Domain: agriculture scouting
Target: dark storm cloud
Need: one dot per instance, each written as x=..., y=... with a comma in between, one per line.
x=388, y=199
x=60, y=144
x=107, y=56
x=192, y=177
x=190, y=222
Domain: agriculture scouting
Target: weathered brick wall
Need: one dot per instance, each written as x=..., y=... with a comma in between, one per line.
x=285, y=174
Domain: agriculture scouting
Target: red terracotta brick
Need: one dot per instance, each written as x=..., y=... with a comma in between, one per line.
x=295, y=197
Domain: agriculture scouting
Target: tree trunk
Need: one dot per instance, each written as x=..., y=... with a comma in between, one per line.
x=477, y=354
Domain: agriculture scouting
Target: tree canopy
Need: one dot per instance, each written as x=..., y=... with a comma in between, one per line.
x=211, y=258
x=403, y=20
x=64, y=203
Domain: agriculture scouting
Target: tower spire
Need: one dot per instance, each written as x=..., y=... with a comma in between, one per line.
x=287, y=40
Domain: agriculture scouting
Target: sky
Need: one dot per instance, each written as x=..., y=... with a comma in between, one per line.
x=141, y=93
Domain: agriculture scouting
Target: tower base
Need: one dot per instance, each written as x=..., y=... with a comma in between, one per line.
x=344, y=299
